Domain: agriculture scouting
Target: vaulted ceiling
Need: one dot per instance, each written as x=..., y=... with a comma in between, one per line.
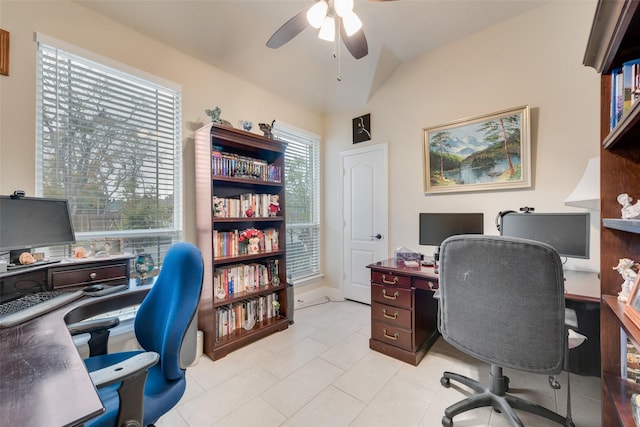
x=231, y=35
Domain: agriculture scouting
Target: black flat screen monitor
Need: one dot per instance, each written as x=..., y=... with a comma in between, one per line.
x=33, y=222
x=568, y=233
x=436, y=227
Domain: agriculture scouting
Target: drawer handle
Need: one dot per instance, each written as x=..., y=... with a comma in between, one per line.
x=391, y=337
x=93, y=276
x=393, y=282
x=393, y=317
x=394, y=296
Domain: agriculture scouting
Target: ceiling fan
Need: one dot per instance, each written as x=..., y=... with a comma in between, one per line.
x=330, y=16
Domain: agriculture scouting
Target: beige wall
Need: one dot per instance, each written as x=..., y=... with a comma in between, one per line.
x=203, y=87
x=535, y=60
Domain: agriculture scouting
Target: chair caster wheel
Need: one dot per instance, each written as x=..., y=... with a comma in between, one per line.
x=447, y=422
x=506, y=383
x=445, y=382
x=569, y=423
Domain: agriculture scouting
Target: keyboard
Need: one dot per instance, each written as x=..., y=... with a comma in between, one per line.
x=30, y=306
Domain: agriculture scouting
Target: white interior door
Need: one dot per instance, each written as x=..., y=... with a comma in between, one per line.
x=364, y=215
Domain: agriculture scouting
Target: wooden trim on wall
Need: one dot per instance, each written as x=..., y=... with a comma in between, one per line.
x=4, y=52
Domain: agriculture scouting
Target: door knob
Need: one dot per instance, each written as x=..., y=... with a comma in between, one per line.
x=377, y=236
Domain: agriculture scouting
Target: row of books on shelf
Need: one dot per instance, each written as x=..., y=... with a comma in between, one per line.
x=237, y=278
x=625, y=90
x=230, y=243
x=230, y=164
x=245, y=206
x=245, y=314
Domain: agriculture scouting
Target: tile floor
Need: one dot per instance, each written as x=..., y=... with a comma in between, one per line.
x=321, y=372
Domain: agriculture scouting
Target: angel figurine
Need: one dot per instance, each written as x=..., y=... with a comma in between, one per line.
x=625, y=268
x=628, y=210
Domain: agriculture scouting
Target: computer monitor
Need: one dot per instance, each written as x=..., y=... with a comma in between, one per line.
x=33, y=222
x=436, y=227
x=568, y=233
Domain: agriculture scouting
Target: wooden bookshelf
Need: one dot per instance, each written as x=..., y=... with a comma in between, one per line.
x=615, y=39
x=210, y=141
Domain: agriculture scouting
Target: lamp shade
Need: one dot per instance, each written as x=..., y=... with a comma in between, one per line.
x=587, y=192
x=317, y=13
x=328, y=29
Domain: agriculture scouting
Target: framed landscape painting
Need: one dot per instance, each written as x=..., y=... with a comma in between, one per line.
x=490, y=152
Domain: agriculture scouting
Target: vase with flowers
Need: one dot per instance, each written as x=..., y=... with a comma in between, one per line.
x=251, y=239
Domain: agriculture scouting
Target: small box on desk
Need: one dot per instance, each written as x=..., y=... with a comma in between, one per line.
x=403, y=254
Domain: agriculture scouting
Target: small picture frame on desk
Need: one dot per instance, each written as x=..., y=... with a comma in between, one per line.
x=632, y=306
x=106, y=247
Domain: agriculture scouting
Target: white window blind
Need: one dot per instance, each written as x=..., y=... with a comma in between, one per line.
x=302, y=186
x=109, y=142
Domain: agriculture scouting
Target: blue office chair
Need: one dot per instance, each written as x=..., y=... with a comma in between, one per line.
x=166, y=328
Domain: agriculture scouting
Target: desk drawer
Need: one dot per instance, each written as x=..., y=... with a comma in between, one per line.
x=430, y=285
x=392, y=295
x=390, y=279
x=391, y=335
x=394, y=316
x=109, y=274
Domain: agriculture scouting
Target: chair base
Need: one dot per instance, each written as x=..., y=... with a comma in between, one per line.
x=496, y=397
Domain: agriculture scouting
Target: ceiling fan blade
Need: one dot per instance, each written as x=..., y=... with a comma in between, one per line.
x=289, y=30
x=356, y=44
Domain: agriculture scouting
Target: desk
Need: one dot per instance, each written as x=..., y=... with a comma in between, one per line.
x=404, y=312
x=44, y=380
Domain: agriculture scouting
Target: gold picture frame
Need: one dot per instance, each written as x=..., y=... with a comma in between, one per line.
x=489, y=152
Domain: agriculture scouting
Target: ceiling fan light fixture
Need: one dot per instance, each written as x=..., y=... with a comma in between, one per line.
x=352, y=24
x=328, y=29
x=317, y=13
x=343, y=7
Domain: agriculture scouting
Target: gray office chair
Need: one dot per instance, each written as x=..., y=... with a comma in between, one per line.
x=502, y=301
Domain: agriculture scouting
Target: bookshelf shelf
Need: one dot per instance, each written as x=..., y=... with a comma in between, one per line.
x=630, y=225
x=221, y=153
x=614, y=41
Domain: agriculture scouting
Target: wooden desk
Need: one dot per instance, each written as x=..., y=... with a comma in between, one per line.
x=404, y=312
x=44, y=380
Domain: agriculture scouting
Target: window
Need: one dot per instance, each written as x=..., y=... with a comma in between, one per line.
x=302, y=192
x=108, y=140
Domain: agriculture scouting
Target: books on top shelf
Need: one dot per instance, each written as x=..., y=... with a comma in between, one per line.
x=625, y=90
x=234, y=165
x=226, y=244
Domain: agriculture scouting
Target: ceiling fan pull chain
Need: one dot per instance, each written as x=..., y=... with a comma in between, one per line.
x=336, y=50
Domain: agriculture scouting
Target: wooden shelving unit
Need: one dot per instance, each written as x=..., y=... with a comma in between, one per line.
x=615, y=39
x=215, y=138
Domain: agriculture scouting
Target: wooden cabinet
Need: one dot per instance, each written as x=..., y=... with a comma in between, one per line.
x=237, y=175
x=403, y=311
x=615, y=39
x=69, y=274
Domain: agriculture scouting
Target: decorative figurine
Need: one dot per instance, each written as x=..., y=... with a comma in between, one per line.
x=144, y=265
x=251, y=239
x=625, y=268
x=274, y=205
x=267, y=129
x=215, y=117
x=245, y=124
x=628, y=210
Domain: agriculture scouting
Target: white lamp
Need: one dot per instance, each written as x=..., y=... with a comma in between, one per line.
x=351, y=24
x=317, y=13
x=328, y=29
x=343, y=7
x=587, y=192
